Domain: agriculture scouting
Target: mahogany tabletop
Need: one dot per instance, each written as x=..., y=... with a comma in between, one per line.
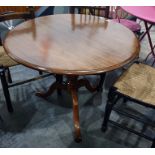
x=72, y=44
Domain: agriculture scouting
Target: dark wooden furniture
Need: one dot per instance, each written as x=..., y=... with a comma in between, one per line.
x=12, y=13
x=8, y=13
x=136, y=84
x=102, y=11
x=72, y=45
x=16, y=8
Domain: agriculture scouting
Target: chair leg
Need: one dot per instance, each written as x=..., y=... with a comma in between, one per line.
x=153, y=144
x=40, y=72
x=72, y=9
x=79, y=10
x=1, y=119
x=59, y=78
x=110, y=103
x=100, y=86
x=9, y=78
x=6, y=91
x=125, y=100
x=108, y=110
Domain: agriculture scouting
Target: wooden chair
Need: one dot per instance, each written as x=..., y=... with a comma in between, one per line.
x=102, y=11
x=136, y=84
x=8, y=13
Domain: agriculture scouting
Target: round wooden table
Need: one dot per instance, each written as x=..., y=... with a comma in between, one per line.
x=72, y=45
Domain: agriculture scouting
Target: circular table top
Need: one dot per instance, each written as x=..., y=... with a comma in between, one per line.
x=72, y=44
x=146, y=13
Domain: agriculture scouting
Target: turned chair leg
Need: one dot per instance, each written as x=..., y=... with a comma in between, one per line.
x=153, y=143
x=40, y=73
x=125, y=100
x=9, y=78
x=112, y=99
x=100, y=86
x=108, y=110
x=59, y=79
x=1, y=119
x=6, y=90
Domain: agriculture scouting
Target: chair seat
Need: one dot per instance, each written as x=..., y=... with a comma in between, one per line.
x=5, y=60
x=138, y=82
x=132, y=25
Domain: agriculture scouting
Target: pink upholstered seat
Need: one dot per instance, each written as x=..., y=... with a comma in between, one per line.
x=132, y=25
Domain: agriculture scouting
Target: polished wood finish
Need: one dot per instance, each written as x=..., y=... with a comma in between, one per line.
x=86, y=83
x=16, y=8
x=59, y=85
x=18, y=13
x=72, y=85
x=52, y=88
x=72, y=44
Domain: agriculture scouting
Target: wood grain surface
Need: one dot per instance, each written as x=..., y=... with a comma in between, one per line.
x=72, y=44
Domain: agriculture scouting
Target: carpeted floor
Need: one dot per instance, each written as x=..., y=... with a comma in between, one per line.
x=48, y=123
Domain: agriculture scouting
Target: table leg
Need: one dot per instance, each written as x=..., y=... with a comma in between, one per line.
x=72, y=86
x=56, y=85
x=86, y=83
x=144, y=34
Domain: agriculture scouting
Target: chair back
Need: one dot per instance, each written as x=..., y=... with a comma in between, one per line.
x=102, y=11
x=18, y=12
